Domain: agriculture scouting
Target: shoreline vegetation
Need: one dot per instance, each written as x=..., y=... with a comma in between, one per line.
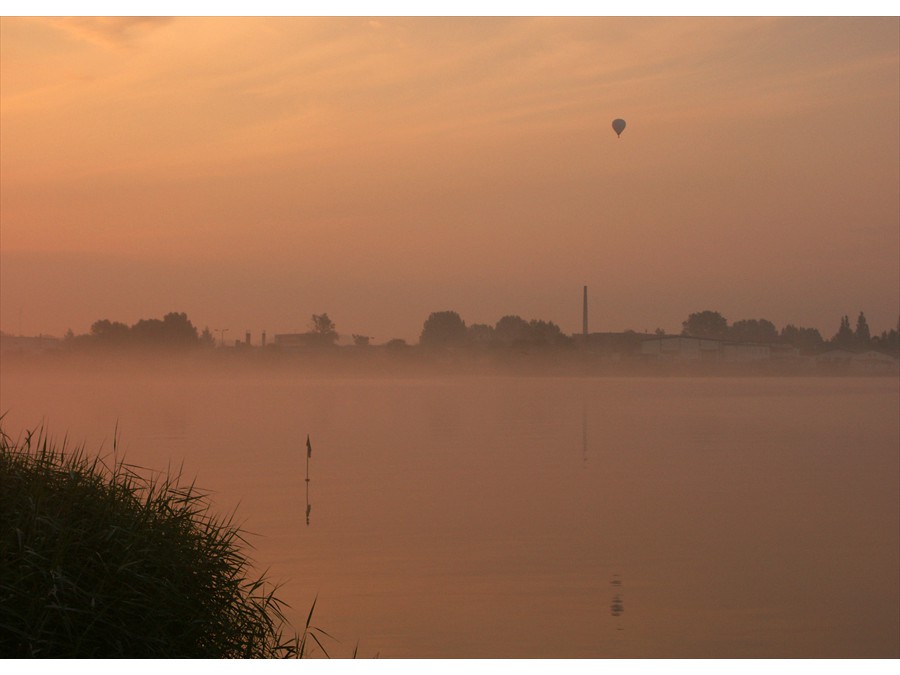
x=100, y=561
x=708, y=345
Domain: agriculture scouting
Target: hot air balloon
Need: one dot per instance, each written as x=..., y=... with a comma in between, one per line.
x=619, y=127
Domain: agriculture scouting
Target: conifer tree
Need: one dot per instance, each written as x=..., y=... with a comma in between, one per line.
x=844, y=336
x=862, y=330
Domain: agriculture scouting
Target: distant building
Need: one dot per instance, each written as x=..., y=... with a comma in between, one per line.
x=874, y=362
x=867, y=362
x=23, y=344
x=783, y=352
x=745, y=352
x=624, y=344
x=301, y=341
x=682, y=348
x=690, y=348
x=834, y=357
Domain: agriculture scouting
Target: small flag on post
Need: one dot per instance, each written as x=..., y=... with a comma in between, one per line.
x=308, y=447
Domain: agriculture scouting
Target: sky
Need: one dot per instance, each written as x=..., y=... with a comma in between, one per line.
x=252, y=172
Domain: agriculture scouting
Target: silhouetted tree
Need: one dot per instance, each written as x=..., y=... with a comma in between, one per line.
x=148, y=331
x=888, y=342
x=207, y=339
x=511, y=329
x=481, y=334
x=705, y=324
x=396, y=345
x=844, y=338
x=361, y=340
x=79, y=342
x=174, y=330
x=804, y=339
x=324, y=328
x=110, y=332
x=546, y=333
x=443, y=329
x=862, y=334
x=753, y=330
x=179, y=329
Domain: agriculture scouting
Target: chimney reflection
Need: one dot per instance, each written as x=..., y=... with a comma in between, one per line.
x=617, y=607
x=584, y=442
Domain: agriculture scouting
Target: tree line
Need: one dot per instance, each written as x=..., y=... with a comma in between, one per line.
x=712, y=324
x=447, y=329
x=174, y=330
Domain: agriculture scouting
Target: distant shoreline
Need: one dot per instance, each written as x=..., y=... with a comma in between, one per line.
x=368, y=362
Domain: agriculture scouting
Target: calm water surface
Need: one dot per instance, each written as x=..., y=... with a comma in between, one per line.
x=536, y=517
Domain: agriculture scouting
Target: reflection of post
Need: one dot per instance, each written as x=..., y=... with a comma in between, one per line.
x=308, y=455
x=617, y=607
x=584, y=430
x=308, y=505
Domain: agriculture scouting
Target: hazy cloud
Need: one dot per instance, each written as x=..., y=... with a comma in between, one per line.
x=118, y=31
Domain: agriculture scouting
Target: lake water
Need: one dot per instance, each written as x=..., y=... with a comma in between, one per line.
x=510, y=517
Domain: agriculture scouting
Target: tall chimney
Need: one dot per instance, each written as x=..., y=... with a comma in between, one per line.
x=264, y=338
x=585, y=326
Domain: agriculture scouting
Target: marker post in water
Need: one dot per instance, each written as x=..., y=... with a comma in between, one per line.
x=308, y=455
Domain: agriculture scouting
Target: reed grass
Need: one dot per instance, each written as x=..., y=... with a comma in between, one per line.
x=98, y=561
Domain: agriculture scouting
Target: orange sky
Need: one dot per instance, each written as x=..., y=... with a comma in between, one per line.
x=252, y=172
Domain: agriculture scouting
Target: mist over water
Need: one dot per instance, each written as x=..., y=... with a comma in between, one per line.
x=511, y=516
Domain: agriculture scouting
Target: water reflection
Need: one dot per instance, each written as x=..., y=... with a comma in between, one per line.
x=617, y=607
x=584, y=440
x=308, y=455
x=308, y=505
x=440, y=525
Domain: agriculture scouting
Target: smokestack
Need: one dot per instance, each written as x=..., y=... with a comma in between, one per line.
x=585, y=326
x=264, y=338
x=247, y=338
